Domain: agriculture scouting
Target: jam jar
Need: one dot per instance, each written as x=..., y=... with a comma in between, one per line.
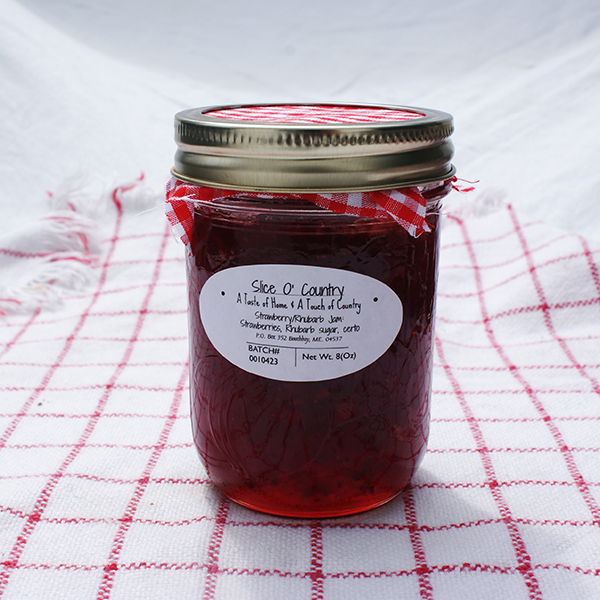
x=312, y=236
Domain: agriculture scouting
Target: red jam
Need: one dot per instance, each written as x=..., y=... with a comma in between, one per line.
x=314, y=448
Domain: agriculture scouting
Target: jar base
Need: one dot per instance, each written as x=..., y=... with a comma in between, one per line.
x=314, y=513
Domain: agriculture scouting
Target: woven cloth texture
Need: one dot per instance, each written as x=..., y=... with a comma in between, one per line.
x=102, y=495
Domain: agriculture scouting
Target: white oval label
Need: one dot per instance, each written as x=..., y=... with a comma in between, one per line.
x=299, y=323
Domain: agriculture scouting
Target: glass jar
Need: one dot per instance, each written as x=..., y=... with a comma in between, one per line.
x=311, y=328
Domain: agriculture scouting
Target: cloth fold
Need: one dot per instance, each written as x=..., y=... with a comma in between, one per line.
x=45, y=260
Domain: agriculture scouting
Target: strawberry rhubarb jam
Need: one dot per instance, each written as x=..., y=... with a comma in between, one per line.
x=311, y=304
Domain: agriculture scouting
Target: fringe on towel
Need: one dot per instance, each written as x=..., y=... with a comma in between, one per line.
x=47, y=259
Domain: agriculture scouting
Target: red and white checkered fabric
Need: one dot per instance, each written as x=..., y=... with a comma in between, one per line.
x=406, y=206
x=323, y=114
x=102, y=495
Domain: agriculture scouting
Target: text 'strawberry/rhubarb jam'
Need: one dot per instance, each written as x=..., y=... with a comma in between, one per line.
x=312, y=234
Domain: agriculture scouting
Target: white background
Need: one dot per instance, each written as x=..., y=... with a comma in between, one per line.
x=90, y=86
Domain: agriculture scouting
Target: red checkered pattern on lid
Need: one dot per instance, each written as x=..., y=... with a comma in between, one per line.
x=322, y=114
x=102, y=495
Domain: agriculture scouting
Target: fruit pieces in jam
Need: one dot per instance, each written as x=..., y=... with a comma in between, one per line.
x=315, y=448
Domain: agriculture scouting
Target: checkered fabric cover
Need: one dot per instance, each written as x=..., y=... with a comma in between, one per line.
x=406, y=206
x=102, y=495
x=315, y=113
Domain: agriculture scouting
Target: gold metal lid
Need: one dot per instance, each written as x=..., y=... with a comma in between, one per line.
x=312, y=147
